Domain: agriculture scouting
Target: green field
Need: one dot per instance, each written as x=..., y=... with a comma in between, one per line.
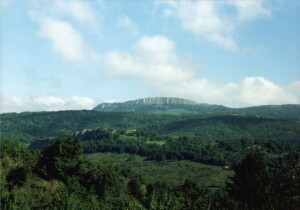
x=171, y=172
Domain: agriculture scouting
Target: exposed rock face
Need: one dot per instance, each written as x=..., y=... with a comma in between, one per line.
x=177, y=106
x=157, y=104
x=161, y=100
x=157, y=101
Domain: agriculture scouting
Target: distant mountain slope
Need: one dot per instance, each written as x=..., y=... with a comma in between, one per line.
x=177, y=106
x=286, y=110
x=161, y=105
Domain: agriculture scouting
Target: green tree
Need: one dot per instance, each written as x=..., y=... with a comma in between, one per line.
x=60, y=159
x=251, y=183
x=287, y=183
x=16, y=177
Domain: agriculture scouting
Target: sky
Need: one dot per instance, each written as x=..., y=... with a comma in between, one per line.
x=75, y=54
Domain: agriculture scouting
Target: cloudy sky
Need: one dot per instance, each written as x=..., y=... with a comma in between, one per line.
x=58, y=55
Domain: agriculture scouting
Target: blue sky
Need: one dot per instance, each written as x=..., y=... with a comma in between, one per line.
x=59, y=55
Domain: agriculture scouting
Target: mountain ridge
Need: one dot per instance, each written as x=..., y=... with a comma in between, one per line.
x=178, y=106
x=159, y=105
x=147, y=101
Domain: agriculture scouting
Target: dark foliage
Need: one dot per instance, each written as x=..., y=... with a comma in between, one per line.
x=85, y=185
x=251, y=183
x=59, y=159
x=16, y=177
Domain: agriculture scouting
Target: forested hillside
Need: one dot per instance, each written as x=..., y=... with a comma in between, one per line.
x=159, y=147
x=61, y=177
x=30, y=126
x=134, y=160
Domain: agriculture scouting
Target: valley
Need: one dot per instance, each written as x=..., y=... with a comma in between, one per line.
x=174, y=173
x=157, y=152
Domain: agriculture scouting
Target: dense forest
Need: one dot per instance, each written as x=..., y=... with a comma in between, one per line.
x=61, y=177
x=159, y=147
x=130, y=160
x=31, y=126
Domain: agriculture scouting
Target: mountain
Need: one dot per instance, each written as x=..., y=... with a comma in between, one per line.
x=159, y=115
x=161, y=105
x=178, y=106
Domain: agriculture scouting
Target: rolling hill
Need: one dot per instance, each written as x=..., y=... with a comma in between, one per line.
x=31, y=126
x=162, y=116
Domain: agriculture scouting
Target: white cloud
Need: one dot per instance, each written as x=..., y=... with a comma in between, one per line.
x=294, y=88
x=226, y=42
x=48, y=101
x=249, y=10
x=82, y=102
x=78, y=10
x=253, y=91
x=126, y=22
x=154, y=61
x=201, y=17
x=45, y=103
x=155, y=64
x=58, y=21
x=65, y=39
x=210, y=20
